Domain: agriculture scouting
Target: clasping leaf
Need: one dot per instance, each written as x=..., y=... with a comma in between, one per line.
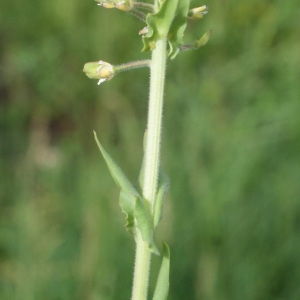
x=169, y=21
x=131, y=202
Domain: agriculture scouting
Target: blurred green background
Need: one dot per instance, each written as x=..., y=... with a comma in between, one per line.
x=231, y=148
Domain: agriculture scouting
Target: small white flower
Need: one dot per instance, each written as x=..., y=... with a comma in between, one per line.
x=198, y=12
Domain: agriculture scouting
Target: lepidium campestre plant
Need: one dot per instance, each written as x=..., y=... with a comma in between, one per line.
x=162, y=34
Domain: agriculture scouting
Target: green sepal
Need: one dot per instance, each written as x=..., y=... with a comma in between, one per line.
x=132, y=204
x=162, y=285
x=168, y=22
x=91, y=70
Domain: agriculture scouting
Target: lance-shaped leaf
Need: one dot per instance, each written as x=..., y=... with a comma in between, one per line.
x=131, y=202
x=118, y=175
x=162, y=285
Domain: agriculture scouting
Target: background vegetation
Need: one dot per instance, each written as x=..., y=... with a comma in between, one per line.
x=231, y=147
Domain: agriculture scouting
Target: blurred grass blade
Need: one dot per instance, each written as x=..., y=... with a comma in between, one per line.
x=162, y=285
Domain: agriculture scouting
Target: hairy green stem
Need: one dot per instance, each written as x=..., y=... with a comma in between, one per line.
x=143, y=5
x=155, y=111
x=138, y=14
x=132, y=65
x=151, y=161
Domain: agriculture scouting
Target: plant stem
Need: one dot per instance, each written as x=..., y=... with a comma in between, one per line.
x=132, y=65
x=151, y=160
x=147, y=6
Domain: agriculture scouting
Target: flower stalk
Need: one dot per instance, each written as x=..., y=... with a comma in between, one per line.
x=104, y=71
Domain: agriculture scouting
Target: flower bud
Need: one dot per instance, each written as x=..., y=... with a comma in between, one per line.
x=106, y=3
x=125, y=5
x=198, y=12
x=100, y=70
